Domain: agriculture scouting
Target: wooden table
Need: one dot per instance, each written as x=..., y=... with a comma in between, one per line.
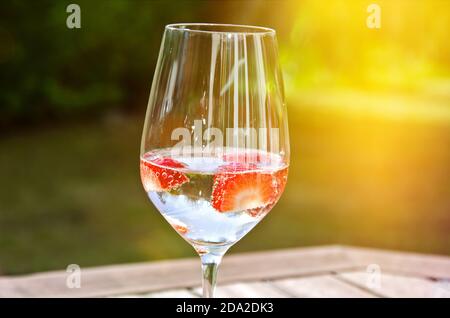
x=328, y=271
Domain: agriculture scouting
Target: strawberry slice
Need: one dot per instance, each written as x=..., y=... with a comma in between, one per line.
x=260, y=211
x=247, y=156
x=156, y=177
x=281, y=179
x=237, y=187
x=179, y=226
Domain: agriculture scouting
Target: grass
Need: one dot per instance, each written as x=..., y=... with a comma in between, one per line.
x=72, y=194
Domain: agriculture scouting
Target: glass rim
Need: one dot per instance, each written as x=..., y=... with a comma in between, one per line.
x=203, y=28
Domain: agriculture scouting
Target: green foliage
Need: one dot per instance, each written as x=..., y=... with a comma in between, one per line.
x=368, y=111
x=50, y=70
x=73, y=194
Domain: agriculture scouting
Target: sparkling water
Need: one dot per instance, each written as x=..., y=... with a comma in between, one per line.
x=188, y=206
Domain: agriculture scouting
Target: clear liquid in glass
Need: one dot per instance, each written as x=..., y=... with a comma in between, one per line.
x=213, y=201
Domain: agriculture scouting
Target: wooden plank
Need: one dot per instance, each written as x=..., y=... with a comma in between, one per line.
x=185, y=273
x=390, y=285
x=319, y=287
x=106, y=281
x=415, y=264
x=8, y=289
x=174, y=274
x=276, y=264
x=248, y=290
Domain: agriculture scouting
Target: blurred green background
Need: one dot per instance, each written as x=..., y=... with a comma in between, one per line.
x=369, y=117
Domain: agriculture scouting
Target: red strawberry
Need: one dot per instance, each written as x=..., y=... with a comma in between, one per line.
x=179, y=226
x=237, y=167
x=180, y=229
x=156, y=177
x=247, y=156
x=237, y=188
x=259, y=211
x=281, y=179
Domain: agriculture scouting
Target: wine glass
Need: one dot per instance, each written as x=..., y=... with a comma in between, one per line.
x=215, y=145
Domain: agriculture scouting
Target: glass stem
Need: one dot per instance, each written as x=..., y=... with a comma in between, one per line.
x=210, y=264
